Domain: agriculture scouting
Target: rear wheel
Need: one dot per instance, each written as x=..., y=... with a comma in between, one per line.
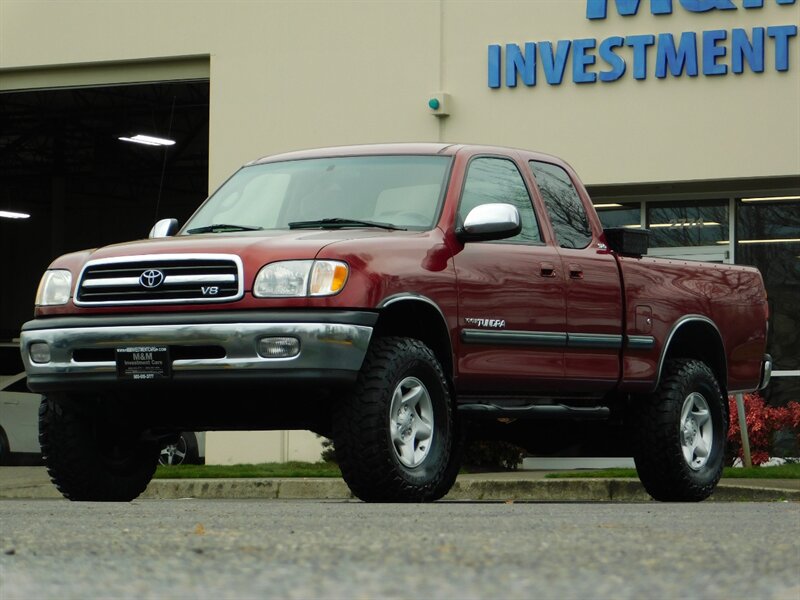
x=183, y=451
x=680, y=432
x=394, y=435
x=87, y=457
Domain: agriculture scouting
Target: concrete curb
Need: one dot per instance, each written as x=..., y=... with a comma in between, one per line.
x=38, y=491
x=300, y=488
x=484, y=489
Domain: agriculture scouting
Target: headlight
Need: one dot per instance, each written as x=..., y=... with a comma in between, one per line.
x=54, y=288
x=300, y=278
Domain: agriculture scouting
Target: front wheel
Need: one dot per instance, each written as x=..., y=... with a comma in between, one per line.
x=679, y=433
x=394, y=435
x=87, y=457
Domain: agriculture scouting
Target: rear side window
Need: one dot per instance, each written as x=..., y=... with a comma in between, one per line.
x=564, y=206
x=491, y=180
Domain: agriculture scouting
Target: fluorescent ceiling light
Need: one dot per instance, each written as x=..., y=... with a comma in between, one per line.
x=148, y=140
x=775, y=241
x=771, y=199
x=6, y=214
x=611, y=205
x=632, y=226
x=692, y=224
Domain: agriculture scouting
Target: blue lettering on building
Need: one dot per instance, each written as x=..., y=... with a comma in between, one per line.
x=714, y=52
x=676, y=60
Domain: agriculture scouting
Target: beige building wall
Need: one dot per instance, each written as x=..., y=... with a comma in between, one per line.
x=673, y=129
x=243, y=447
x=286, y=75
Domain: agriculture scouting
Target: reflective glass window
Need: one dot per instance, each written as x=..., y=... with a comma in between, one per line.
x=768, y=237
x=677, y=224
x=619, y=214
x=564, y=206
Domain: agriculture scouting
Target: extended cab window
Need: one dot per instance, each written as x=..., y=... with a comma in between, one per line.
x=491, y=180
x=567, y=214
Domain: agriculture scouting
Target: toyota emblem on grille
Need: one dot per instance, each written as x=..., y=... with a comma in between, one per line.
x=151, y=278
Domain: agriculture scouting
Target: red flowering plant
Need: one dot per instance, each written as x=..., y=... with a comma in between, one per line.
x=763, y=422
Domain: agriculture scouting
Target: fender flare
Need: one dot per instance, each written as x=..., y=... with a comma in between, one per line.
x=687, y=319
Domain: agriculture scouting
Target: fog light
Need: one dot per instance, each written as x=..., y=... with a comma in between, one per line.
x=40, y=352
x=278, y=347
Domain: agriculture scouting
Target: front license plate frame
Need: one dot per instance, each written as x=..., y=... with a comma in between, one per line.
x=143, y=363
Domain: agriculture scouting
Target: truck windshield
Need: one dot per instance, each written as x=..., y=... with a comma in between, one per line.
x=394, y=192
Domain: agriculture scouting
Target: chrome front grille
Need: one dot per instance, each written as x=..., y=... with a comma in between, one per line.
x=160, y=279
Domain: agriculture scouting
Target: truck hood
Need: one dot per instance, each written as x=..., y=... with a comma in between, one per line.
x=262, y=246
x=256, y=248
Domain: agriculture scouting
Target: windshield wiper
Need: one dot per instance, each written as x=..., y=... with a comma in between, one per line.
x=337, y=222
x=219, y=227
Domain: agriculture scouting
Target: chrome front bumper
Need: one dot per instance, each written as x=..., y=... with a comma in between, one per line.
x=90, y=351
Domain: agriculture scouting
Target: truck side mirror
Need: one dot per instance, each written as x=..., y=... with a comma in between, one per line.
x=628, y=242
x=164, y=228
x=495, y=221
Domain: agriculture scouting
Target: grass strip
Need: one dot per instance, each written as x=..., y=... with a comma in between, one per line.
x=791, y=471
x=323, y=469
x=288, y=469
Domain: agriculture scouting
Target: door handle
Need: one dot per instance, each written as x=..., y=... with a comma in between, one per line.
x=547, y=269
x=575, y=271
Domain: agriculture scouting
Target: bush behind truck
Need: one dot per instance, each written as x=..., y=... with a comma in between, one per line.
x=391, y=297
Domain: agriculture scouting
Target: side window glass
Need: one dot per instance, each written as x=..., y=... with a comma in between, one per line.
x=564, y=206
x=498, y=180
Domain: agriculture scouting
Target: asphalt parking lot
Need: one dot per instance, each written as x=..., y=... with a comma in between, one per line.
x=346, y=549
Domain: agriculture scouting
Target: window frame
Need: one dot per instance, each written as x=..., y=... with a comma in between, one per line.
x=531, y=199
x=589, y=223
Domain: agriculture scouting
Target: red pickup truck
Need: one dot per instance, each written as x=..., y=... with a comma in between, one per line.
x=390, y=297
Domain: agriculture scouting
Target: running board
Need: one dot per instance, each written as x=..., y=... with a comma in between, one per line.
x=536, y=411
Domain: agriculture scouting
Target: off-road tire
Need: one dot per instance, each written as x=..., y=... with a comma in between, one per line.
x=365, y=450
x=82, y=463
x=662, y=437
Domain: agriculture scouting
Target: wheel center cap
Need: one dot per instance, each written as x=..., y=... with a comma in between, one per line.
x=405, y=418
x=689, y=431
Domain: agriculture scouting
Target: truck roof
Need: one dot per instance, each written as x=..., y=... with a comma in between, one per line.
x=425, y=148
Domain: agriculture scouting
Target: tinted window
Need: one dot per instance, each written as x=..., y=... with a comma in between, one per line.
x=768, y=237
x=492, y=180
x=564, y=206
x=679, y=224
x=619, y=214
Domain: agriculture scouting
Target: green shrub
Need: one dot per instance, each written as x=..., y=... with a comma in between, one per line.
x=493, y=454
x=328, y=451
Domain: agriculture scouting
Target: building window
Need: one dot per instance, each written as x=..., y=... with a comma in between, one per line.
x=683, y=224
x=768, y=237
x=620, y=214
